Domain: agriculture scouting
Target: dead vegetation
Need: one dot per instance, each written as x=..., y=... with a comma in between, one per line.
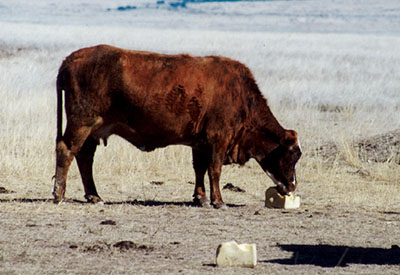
x=382, y=148
x=348, y=183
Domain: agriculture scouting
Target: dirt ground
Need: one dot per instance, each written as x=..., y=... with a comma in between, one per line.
x=162, y=236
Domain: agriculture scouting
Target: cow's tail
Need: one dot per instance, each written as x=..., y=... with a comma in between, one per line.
x=59, y=105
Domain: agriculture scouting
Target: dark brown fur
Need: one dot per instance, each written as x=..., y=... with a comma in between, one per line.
x=152, y=100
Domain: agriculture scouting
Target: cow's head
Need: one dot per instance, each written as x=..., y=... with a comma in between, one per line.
x=279, y=161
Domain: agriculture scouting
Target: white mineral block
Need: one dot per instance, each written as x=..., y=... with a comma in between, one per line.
x=233, y=254
x=275, y=200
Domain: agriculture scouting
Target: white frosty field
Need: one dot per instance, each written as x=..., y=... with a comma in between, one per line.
x=329, y=69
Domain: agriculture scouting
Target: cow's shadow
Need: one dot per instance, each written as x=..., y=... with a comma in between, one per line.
x=163, y=203
x=27, y=200
x=129, y=202
x=331, y=256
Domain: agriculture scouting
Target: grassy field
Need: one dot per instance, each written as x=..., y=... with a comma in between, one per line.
x=331, y=88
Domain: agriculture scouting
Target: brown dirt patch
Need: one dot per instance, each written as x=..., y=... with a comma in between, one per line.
x=170, y=237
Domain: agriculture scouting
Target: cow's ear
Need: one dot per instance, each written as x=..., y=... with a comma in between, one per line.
x=290, y=138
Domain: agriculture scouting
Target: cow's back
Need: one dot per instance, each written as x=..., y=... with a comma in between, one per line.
x=185, y=90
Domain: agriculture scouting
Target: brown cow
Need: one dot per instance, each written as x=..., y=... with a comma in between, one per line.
x=211, y=104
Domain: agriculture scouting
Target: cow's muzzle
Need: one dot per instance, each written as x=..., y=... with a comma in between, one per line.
x=283, y=189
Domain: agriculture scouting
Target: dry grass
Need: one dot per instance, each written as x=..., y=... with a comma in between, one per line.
x=28, y=117
x=302, y=86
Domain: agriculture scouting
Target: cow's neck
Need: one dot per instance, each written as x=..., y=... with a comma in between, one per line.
x=264, y=120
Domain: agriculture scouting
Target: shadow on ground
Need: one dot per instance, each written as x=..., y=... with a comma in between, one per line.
x=132, y=202
x=25, y=200
x=331, y=256
x=162, y=203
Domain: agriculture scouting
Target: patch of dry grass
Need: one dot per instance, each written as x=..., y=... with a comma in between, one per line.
x=27, y=123
x=341, y=191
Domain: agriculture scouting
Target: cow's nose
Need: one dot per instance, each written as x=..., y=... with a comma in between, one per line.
x=283, y=190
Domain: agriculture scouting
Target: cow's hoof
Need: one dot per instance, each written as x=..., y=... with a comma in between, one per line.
x=201, y=201
x=93, y=199
x=58, y=197
x=62, y=201
x=220, y=205
x=57, y=200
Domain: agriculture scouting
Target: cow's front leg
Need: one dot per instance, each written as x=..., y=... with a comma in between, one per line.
x=214, y=174
x=201, y=161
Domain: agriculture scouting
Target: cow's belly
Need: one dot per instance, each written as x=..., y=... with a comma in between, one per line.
x=121, y=129
x=137, y=138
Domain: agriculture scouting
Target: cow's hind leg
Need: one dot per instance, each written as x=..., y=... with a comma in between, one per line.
x=85, y=164
x=67, y=148
x=64, y=158
x=201, y=160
